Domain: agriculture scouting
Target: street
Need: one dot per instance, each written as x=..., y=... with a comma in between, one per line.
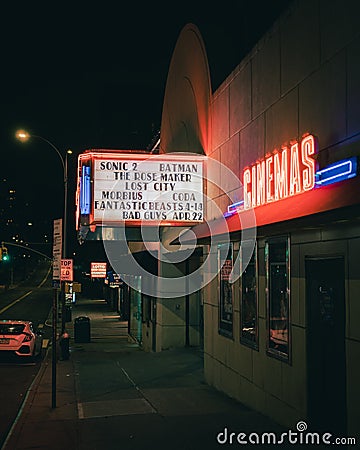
x=29, y=301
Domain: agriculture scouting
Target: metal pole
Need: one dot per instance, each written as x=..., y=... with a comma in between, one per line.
x=187, y=305
x=51, y=145
x=64, y=242
x=54, y=349
x=65, y=203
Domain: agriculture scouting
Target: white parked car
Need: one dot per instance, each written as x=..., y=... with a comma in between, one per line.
x=18, y=337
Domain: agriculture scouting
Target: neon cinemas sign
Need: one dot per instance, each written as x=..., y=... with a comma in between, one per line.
x=281, y=174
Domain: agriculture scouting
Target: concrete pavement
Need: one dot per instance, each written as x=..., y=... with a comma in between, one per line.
x=112, y=395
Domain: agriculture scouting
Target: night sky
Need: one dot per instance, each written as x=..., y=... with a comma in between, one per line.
x=92, y=75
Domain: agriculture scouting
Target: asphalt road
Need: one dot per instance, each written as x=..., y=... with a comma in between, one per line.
x=30, y=301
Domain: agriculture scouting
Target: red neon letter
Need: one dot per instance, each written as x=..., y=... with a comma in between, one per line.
x=247, y=192
x=269, y=178
x=295, y=182
x=280, y=175
x=260, y=183
x=253, y=186
x=307, y=149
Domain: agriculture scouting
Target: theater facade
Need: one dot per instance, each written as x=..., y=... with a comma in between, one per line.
x=270, y=160
x=281, y=320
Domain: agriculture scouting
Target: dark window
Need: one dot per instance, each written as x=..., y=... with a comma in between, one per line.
x=225, y=264
x=11, y=329
x=249, y=302
x=278, y=289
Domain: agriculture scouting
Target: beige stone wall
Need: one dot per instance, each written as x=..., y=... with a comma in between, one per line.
x=171, y=325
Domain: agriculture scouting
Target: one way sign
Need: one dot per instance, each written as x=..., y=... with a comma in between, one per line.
x=66, y=271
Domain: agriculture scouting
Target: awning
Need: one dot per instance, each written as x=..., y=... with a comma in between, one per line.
x=318, y=200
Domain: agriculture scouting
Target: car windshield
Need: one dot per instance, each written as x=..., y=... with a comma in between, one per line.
x=11, y=328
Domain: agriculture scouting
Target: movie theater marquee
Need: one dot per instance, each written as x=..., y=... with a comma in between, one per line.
x=138, y=190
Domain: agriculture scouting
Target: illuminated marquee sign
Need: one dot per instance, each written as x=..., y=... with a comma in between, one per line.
x=281, y=174
x=140, y=188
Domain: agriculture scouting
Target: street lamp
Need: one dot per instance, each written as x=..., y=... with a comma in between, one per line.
x=24, y=136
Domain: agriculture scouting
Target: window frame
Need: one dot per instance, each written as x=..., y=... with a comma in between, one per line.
x=225, y=327
x=254, y=344
x=271, y=351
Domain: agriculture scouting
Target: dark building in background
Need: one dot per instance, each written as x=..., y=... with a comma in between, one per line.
x=8, y=213
x=26, y=237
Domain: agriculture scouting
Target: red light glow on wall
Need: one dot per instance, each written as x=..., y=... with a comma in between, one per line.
x=281, y=174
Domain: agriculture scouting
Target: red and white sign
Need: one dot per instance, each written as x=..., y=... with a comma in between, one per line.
x=98, y=270
x=281, y=174
x=66, y=271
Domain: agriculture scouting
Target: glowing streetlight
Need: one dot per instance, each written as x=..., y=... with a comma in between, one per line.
x=22, y=135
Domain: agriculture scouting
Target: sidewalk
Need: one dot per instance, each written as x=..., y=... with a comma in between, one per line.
x=112, y=395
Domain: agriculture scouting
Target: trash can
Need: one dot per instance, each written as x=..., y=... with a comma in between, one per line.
x=82, y=329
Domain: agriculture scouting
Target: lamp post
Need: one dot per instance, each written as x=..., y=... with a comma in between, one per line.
x=24, y=136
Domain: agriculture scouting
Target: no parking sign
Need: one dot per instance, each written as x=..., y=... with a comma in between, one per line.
x=66, y=271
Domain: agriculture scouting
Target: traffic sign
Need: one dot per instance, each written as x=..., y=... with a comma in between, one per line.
x=66, y=272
